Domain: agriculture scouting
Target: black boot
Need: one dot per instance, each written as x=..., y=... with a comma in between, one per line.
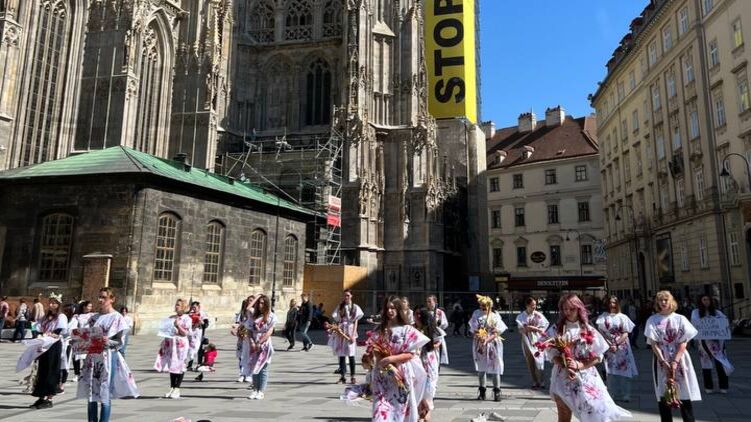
x=496, y=394
x=481, y=396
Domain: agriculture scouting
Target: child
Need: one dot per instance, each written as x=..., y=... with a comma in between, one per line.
x=209, y=356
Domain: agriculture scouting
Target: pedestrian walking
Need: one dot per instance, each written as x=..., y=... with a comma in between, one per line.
x=260, y=327
x=129, y=325
x=173, y=350
x=532, y=325
x=37, y=315
x=4, y=311
x=290, y=324
x=305, y=317
x=487, y=346
x=22, y=320
x=343, y=335
x=620, y=364
x=668, y=333
x=712, y=353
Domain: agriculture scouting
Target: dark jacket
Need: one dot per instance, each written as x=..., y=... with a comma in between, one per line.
x=305, y=314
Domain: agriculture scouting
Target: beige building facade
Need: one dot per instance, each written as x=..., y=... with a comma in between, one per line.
x=545, y=206
x=672, y=107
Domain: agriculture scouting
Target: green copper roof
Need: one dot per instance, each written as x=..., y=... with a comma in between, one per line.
x=124, y=160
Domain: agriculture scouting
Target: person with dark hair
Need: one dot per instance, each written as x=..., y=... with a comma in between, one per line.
x=68, y=310
x=4, y=311
x=105, y=375
x=290, y=324
x=238, y=330
x=343, y=334
x=53, y=325
x=532, y=325
x=173, y=350
x=429, y=356
x=199, y=321
x=22, y=318
x=712, y=352
x=259, y=328
x=668, y=334
x=487, y=347
x=82, y=314
x=442, y=325
x=620, y=364
x=392, y=349
x=128, y=328
x=575, y=384
x=305, y=317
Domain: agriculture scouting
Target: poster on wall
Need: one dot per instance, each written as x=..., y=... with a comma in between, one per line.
x=664, y=249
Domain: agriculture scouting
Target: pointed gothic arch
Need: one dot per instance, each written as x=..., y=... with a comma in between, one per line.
x=332, y=18
x=274, y=94
x=318, y=92
x=261, y=23
x=298, y=20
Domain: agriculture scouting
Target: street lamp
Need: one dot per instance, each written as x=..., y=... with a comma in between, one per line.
x=726, y=173
x=630, y=251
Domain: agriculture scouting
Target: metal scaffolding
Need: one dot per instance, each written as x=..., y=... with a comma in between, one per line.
x=303, y=169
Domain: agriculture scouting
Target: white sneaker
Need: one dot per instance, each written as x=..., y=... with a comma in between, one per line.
x=707, y=391
x=175, y=394
x=241, y=379
x=253, y=395
x=259, y=396
x=169, y=394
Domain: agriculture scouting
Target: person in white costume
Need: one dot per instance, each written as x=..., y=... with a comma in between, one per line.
x=343, y=339
x=487, y=347
x=712, y=352
x=620, y=364
x=442, y=323
x=532, y=326
x=668, y=334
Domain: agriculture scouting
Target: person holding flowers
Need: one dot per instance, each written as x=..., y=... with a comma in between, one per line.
x=173, y=351
x=430, y=358
x=712, y=352
x=532, y=325
x=398, y=378
x=487, y=347
x=257, y=354
x=575, y=347
x=668, y=333
x=343, y=335
x=619, y=359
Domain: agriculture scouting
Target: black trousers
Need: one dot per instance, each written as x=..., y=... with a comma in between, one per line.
x=175, y=380
x=722, y=377
x=343, y=366
x=48, y=375
x=289, y=334
x=666, y=413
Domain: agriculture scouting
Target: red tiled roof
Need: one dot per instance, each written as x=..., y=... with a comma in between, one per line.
x=573, y=138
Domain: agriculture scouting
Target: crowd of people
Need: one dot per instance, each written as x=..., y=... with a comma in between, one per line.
x=591, y=352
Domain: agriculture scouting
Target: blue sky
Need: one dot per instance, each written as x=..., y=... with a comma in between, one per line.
x=541, y=53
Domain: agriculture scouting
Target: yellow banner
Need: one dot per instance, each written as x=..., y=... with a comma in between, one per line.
x=450, y=55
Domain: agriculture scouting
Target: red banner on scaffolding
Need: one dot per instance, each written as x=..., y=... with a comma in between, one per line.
x=334, y=220
x=333, y=216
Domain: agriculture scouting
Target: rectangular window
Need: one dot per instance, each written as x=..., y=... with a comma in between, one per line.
x=703, y=258
x=656, y=103
x=676, y=138
x=699, y=178
x=581, y=173
x=635, y=120
x=670, y=85
x=719, y=112
x=494, y=184
x=660, y=142
x=212, y=262
x=682, y=21
x=688, y=68
x=680, y=193
x=497, y=258
x=519, y=217
x=550, y=178
x=631, y=81
x=652, y=53
x=289, y=265
x=744, y=101
x=555, y=255
x=495, y=219
x=553, y=214
x=664, y=197
x=624, y=130
x=583, y=211
x=707, y=6
x=667, y=39
x=693, y=124
x=621, y=91
x=586, y=255
x=521, y=256
x=684, y=256
x=166, y=247
x=735, y=250
x=714, y=54
x=518, y=181
x=737, y=34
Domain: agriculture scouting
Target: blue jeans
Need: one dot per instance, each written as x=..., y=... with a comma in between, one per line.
x=261, y=378
x=104, y=416
x=20, y=329
x=125, y=344
x=304, y=330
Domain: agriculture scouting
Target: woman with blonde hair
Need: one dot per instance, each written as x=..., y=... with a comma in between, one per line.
x=173, y=351
x=487, y=347
x=668, y=333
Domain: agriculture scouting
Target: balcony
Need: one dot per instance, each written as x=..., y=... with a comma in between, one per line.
x=694, y=150
x=657, y=117
x=673, y=104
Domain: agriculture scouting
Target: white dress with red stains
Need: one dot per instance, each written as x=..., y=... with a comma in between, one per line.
x=347, y=323
x=173, y=351
x=489, y=357
x=106, y=376
x=535, y=319
x=431, y=363
x=586, y=395
x=668, y=332
x=443, y=324
x=253, y=361
x=621, y=362
x=390, y=403
x=709, y=350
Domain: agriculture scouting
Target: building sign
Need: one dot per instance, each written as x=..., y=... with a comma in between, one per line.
x=665, y=259
x=450, y=55
x=555, y=284
x=712, y=328
x=537, y=257
x=552, y=283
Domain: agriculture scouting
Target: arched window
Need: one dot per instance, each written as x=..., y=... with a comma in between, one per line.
x=213, y=258
x=289, y=273
x=257, y=256
x=165, y=256
x=43, y=111
x=151, y=102
x=318, y=94
x=332, y=18
x=54, y=247
x=299, y=20
x=261, y=22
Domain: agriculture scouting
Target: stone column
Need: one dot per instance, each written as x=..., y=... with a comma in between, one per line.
x=96, y=274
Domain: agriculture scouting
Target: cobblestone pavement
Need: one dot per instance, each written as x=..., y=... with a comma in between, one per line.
x=302, y=388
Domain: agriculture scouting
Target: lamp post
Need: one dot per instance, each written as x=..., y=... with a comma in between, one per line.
x=726, y=173
x=630, y=251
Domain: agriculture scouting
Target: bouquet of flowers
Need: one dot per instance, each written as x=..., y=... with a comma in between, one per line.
x=336, y=329
x=380, y=348
x=672, y=396
x=563, y=345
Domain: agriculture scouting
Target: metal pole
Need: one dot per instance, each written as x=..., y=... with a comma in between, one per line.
x=276, y=248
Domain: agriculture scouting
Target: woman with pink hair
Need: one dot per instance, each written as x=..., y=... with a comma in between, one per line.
x=575, y=384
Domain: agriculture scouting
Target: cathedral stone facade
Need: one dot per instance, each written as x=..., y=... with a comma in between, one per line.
x=209, y=77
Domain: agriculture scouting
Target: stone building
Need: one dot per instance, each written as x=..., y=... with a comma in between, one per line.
x=154, y=229
x=545, y=206
x=673, y=106
x=210, y=78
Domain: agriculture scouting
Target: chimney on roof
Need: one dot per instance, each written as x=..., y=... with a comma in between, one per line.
x=555, y=116
x=488, y=128
x=500, y=155
x=527, y=122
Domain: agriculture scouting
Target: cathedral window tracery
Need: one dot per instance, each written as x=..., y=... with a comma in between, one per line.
x=318, y=94
x=261, y=22
x=150, y=100
x=332, y=18
x=299, y=20
x=43, y=111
